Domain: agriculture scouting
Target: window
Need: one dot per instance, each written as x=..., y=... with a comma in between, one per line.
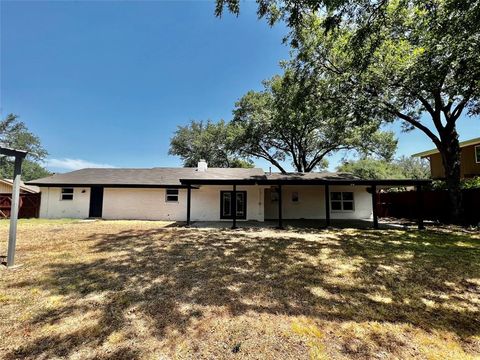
x=274, y=195
x=342, y=201
x=295, y=197
x=171, y=195
x=67, y=194
x=227, y=203
x=477, y=154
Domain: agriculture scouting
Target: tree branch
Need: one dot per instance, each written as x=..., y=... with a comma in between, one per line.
x=413, y=122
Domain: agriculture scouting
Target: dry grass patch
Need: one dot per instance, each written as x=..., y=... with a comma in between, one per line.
x=131, y=289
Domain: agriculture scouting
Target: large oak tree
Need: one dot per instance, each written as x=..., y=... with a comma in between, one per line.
x=410, y=60
x=299, y=122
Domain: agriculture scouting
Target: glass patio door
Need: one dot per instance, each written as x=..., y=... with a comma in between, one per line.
x=226, y=204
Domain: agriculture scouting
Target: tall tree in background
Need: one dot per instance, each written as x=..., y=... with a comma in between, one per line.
x=205, y=140
x=416, y=61
x=287, y=122
x=302, y=123
x=15, y=134
x=421, y=66
x=402, y=168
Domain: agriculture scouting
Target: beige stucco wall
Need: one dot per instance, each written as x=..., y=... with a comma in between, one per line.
x=311, y=204
x=53, y=207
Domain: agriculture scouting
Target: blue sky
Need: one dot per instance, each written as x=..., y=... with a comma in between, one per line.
x=107, y=82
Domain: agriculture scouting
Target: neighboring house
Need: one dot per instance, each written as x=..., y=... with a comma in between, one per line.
x=469, y=160
x=205, y=194
x=6, y=186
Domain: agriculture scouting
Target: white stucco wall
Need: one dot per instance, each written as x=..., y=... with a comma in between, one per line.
x=149, y=204
x=143, y=204
x=206, y=202
x=311, y=204
x=53, y=207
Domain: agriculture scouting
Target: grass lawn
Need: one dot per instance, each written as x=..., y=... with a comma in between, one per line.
x=128, y=289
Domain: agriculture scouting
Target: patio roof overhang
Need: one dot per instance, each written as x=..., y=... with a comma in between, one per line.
x=296, y=181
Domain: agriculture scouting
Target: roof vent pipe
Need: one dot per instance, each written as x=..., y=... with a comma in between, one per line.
x=202, y=165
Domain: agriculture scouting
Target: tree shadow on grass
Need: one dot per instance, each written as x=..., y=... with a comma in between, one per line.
x=173, y=276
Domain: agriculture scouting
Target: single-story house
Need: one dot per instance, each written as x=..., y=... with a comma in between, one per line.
x=207, y=194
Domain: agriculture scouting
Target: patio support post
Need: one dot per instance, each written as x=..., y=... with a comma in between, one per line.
x=12, y=238
x=234, y=207
x=280, y=215
x=327, y=205
x=189, y=203
x=374, y=206
x=420, y=207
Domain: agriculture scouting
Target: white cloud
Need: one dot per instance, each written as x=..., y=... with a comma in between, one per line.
x=74, y=164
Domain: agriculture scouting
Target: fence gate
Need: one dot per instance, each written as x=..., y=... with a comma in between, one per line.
x=29, y=205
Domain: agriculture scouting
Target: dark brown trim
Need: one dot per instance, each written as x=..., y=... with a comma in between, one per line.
x=189, y=203
x=327, y=205
x=374, y=206
x=280, y=206
x=13, y=152
x=234, y=206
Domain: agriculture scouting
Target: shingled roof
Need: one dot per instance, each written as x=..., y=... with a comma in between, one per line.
x=144, y=177
x=183, y=177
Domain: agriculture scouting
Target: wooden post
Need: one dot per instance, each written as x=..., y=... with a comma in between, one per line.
x=374, y=206
x=327, y=205
x=12, y=238
x=189, y=203
x=280, y=215
x=420, y=208
x=234, y=207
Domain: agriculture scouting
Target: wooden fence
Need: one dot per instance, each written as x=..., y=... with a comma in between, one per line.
x=29, y=205
x=403, y=204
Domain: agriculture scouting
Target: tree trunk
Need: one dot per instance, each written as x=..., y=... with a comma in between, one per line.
x=451, y=163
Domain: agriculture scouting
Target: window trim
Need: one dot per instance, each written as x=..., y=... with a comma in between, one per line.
x=239, y=217
x=66, y=193
x=167, y=195
x=477, y=158
x=298, y=197
x=274, y=195
x=341, y=201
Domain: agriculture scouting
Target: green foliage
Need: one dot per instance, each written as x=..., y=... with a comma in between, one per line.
x=414, y=60
x=206, y=140
x=470, y=183
x=371, y=169
x=402, y=168
x=30, y=170
x=413, y=167
x=15, y=134
x=301, y=122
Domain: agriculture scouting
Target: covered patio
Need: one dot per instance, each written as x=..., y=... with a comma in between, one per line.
x=324, y=181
